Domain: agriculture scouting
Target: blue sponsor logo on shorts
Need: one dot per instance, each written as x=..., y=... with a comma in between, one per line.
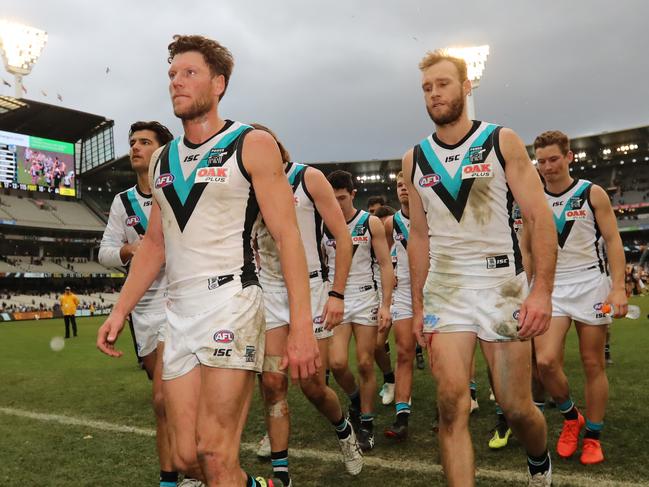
x=224, y=336
x=431, y=320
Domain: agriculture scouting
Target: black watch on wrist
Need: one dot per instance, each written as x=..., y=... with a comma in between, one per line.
x=335, y=294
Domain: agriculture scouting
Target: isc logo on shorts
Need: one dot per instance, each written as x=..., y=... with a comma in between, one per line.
x=133, y=220
x=429, y=180
x=164, y=180
x=212, y=175
x=224, y=336
x=576, y=215
x=482, y=170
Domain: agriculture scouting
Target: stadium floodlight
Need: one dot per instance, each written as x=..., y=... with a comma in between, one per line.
x=21, y=46
x=476, y=60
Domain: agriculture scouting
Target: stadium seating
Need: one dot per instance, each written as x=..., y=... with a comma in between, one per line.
x=50, y=214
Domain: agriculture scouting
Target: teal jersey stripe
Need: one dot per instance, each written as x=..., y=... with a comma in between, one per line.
x=295, y=171
x=402, y=226
x=453, y=184
x=144, y=221
x=183, y=186
x=560, y=222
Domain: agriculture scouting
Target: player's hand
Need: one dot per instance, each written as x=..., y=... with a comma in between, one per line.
x=302, y=354
x=418, y=328
x=385, y=319
x=130, y=249
x=332, y=314
x=619, y=302
x=535, y=314
x=108, y=333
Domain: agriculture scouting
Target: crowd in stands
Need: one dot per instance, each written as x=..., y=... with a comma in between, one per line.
x=12, y=302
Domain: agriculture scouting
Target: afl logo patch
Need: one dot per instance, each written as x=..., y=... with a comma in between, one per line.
x=133, y=220
x=224, y=336
x=164, y=180
x=429, y=180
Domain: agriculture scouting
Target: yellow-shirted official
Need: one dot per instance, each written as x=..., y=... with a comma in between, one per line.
x=69, y=303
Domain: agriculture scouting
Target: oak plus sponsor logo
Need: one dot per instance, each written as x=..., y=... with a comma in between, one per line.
x=164, y=180
x=132, y=220
x=224, y=336
x=572, y=215
x=219, y=175
x=482, y=170
x=360, y=239
x=429, y=180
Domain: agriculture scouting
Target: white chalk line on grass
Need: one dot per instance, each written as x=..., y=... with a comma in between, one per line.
x=411, y=466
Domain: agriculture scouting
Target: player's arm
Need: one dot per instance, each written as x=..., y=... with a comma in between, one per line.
x=145, y=267
x=527, y=189
x=382, y=253
x=262, y=161
x=329, y=209
x=607, y=224
x=418, y=248
x=389, y=226
x=114, y=249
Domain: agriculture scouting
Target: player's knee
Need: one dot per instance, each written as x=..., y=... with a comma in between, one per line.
x=338, y=364
x=453, y=404
x=159, y=404
x=548, y=365
x=365, y=365
x=593, y=364
x=517, y=414
x=405, y=354
x=274, y=385
x=314, y=391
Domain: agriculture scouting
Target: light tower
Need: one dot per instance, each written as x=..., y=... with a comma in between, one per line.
x=20, y=45
x=476, y=59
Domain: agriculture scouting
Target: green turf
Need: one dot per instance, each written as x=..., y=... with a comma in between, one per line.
x=80, y=382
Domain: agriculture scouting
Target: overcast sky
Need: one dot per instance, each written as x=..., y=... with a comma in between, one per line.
x=338, y=79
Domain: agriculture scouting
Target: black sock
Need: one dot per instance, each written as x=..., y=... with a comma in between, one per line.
x=538, y=464
x=250, y=482
x=569, y=410
x=593, y=435
x=355, y=398
x=168, y=479
x=387, y=347
x=418, y=350
x=327, y=374
x=279, y=460
x=402, y=418
x=389, y=377
x=367, y=422
x=343, y=428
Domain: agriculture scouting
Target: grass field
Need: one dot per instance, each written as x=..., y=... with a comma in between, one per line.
x=80, y=383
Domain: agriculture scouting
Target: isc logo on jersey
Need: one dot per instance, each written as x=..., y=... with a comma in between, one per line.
x=212, y=175
x=429, y=180
x=164, y=180
x=576, y=215
x=132, y=220
x=482, y=170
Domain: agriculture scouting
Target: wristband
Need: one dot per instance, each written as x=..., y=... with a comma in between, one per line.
x=335, y=294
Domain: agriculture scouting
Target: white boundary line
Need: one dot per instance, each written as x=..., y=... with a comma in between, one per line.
x=574, y=480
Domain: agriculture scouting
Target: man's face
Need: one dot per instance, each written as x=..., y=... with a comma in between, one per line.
x=552, y=164
x=345, y=199
x=143, y=144
x=194, y=90
x=372, y=208
x=444, y=93
x=402, y=191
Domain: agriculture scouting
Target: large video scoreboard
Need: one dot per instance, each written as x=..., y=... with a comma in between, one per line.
x=36, y=164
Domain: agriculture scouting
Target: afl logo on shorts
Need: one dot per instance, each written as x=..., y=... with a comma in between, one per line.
x=318, y=320
x=429, y=180
x=598, y=306
x=164, y=180
x=132, y=220
x=224, y=336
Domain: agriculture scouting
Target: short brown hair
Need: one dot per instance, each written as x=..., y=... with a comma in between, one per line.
x=433, y=57
x=286, y=157
x=217, y=57
x=552, y=137
x=162, y=133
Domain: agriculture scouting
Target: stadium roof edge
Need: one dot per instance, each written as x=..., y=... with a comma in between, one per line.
x=39, y=119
